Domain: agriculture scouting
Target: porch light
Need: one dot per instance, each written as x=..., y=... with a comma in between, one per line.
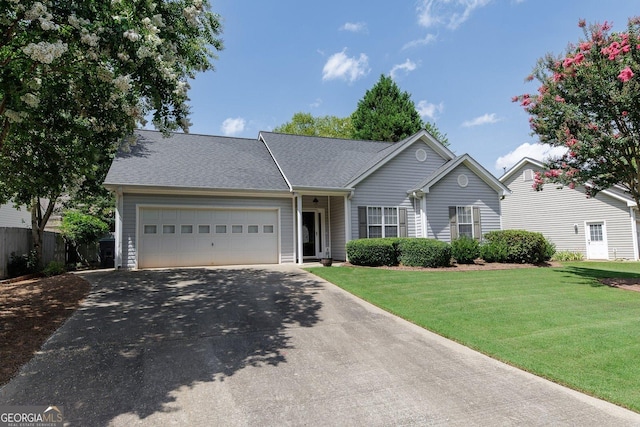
x=315, y=201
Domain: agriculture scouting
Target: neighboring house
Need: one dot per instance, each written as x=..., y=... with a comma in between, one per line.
x=10, y=216
x=602, y=227
x=210, y=200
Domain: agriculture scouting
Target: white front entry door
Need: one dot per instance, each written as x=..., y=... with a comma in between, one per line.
x=596, y=234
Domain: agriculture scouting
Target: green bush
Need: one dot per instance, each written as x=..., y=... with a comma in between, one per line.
x=372, y=252
x=549, y=250
x=567, y=256
x=465, y=250
x=420, y=252
x=21, y=265
x=521, y=246
x=494, y=252
x=54, y=268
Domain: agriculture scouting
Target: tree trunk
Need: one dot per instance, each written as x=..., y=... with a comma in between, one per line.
x=38, y=222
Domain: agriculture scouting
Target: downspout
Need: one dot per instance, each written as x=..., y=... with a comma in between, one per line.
x=299, y=227
x=634, y=233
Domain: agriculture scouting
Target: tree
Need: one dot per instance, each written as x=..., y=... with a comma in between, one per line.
x=77, y=77
x=436, y=133
x=78, y=228
x=588, y=102
x=385, y=113
x=307, y=124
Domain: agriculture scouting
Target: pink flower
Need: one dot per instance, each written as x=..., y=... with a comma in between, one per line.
x=557, y=77
x=592, y=126
x=526, y=102
x=529, y=77
x=625, y=75
x=624, y=113
x=559, y=98
x=568, y=62
x=572, y=185
x=578, y=59
x=515, y=99
x=585, y=46
x=582, y=23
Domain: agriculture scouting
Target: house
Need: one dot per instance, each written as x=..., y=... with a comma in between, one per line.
x=211, y=200
x=601, y=227
x=10, y=216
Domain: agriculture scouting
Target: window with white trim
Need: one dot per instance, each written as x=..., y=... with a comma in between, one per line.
x=465, y=221
x=382, y=221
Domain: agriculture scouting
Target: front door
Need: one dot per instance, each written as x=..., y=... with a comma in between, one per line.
x=311, y=234
x=596, y=234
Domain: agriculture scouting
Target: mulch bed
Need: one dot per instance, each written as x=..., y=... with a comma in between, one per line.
x=478, y=265
x=628, y=284
x=30, y=311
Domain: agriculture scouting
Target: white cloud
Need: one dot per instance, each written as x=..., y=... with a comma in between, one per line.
x=536, y=151
x=340, y=66
x=407, y=66
x=428, y=110
x=430, y=38
x=233, y=126
x=316, y=103
x=485, y=119
x=355, y=27
x=451, y=13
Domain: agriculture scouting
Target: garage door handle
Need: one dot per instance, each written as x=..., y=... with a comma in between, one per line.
x=211, y=243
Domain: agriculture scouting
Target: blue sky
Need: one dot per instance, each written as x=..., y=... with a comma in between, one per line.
x=461, y=60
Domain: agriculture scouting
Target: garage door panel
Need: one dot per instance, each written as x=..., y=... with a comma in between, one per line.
x=194, y=237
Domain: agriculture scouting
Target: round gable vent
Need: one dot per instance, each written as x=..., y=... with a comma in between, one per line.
x=463, y=181
x=421, y=155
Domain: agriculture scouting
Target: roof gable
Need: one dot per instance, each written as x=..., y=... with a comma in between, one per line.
x=616, y=192
x=470, y=163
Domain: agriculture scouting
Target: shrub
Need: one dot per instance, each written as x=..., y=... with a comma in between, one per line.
x=494, y=252
x=567, y=256
x=20, y=265
x=54, y=268
x=465, y=250
x=521, y=246
x=549, y=250
x=372, y=252
x=420, y=252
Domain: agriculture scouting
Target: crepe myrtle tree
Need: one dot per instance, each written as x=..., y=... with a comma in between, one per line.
x=588, y=102
x=77, y=77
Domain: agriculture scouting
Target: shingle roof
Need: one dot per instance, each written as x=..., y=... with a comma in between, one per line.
x=196, y=161
x=309, y=161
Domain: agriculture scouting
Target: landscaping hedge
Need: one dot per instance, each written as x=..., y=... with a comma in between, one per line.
x=372, y=252
x=465, y=250
x=516, y=246
x=424, y=253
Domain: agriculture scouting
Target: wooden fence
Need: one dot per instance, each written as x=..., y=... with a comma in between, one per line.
x=18, y=241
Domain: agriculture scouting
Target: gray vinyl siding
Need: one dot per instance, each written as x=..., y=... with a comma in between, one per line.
x=12, y=217
x=554, y=213
x=447, y=192
x=131, y=201
x=388, y=185
x=338, y=241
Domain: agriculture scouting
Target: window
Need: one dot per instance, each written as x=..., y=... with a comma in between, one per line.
x=150, y=229
x=168, y=229
x=267, y=229
x=236, y=229
x=204, y=229
x=221, y=229
x=186, y=229
x=465, y=221
x=382, y=221
x=252, y=229
x=595, y=232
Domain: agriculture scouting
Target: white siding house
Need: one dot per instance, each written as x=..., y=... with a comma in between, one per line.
x=209, y=200
x=602, y=227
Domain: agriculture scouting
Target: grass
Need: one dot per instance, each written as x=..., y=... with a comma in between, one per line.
x=559, y=323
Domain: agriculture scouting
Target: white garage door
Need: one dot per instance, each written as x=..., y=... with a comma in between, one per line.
x=195, y=237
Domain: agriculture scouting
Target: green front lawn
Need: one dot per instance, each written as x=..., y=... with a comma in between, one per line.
x=559, y=323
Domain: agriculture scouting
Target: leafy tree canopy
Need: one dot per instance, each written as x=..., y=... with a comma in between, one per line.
x=77, y=77
x=307, y=124
x=385, y=113
x=588, y=102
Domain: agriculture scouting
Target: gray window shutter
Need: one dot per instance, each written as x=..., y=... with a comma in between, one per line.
x=477, y=230
x=453, y=222
x=362, y=222
x=402, y=222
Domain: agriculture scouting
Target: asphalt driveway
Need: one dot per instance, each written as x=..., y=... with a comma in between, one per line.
x=273, y=346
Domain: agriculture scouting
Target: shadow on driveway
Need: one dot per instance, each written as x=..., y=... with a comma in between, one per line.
x=142, y=335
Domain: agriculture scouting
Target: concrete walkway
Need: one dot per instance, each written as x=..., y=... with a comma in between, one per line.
x=273, y=346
